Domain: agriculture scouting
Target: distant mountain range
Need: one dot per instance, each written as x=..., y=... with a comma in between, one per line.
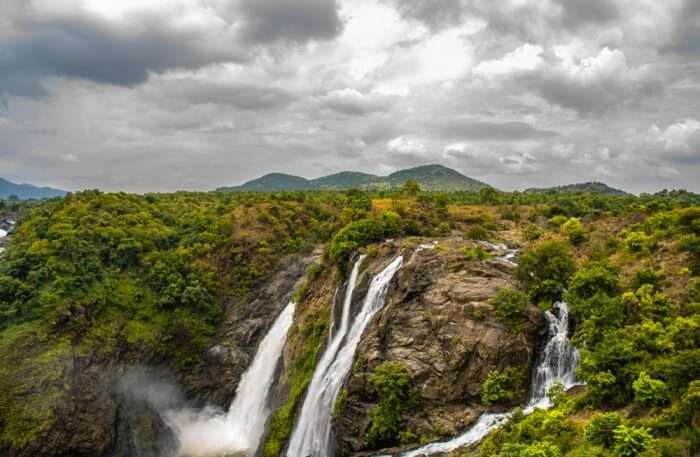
x=430, y=177
x=587, y=187
x=27, y=191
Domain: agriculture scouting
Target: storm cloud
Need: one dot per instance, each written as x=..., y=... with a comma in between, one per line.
x=163, y=95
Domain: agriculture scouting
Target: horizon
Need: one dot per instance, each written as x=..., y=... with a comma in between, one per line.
x=161, y=96
x=520, y=189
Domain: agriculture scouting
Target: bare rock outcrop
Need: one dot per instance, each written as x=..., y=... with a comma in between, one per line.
x=439, y=324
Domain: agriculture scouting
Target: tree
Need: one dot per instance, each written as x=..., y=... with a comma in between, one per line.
x=595, y=278
x=649, y=391
x=631, y=441
x=510, y=305
x=410, y=188
x=502, y=386
x=545, y=269
x=488, y=195
x=600, y=430
x=573, y=229
x=392, y=383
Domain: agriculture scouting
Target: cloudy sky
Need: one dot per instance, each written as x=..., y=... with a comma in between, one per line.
x=162, y=95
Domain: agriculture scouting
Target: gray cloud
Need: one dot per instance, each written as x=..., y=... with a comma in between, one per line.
x=466, y=129
x=353, y=102
x=686, y=33
x=523, y=19
x=242, y=96
x=435, y=13
x=578, y=13
x=592, y=97
x=212, y=92
x=86, y=47
x=268, y=21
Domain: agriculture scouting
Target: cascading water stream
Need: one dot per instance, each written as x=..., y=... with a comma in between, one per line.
x=207, y=433
x=312, y=434
x=5, y=230
x=558, y=360
x=556, y=364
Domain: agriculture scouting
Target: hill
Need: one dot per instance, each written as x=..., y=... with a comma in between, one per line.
x=276, y=181
x=27, y=191
x=430, y=177
x=435, y=177
x=345, y=180
x=587, y=187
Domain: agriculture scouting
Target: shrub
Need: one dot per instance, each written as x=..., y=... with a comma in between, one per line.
x=691, y=245
x=476, y=253
x=637, y=241
x=360, y=233
x=478, y=232
x=545, y=269
x=557, y=221
x=510, y=305
x=391, y=382
x=573, y=229
x=533, y=232
x=411, y=188
x=502, y=386
x=593, y=279
x=645, y=276
x=631, y=441
x=602, y=386
x=649, y=391
x=689, y=220
x=541, y=449
x=600, y=430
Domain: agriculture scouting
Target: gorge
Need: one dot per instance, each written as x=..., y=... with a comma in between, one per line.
x=241, y=327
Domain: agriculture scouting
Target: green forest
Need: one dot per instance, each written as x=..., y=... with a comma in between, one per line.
x=145, y=279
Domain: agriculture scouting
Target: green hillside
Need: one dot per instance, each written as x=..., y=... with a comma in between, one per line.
x=430, y=177
x=27, y=191
x=588, y=187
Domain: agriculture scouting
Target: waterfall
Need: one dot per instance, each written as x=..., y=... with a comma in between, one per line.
x=312, y=433
x=556, y=364
x=482, y=427
x=558, y=360
x=8, y=226
x=210, y=433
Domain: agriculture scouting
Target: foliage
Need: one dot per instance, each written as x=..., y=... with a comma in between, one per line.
x=392, y=384
x=601, y=427
x=545, y=269
x=503, y=386
x=410, y=188
x=637, y=241
x=573, y=229
x=631, y=441
x=478, y=232
x=649, y=391
x=595, y=278
x=510, y=306
x=476, y=253
x=532, y=232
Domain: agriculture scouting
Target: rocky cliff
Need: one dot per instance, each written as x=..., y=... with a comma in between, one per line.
x=437, y=323
x=111, y=405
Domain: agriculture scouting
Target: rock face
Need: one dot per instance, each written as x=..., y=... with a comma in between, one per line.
x=437, y=323
x=111, y=407
x=246, y=324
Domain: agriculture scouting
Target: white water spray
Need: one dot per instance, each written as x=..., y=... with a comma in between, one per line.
x=558, y=360
x=312, y=434
x=211, y=433
x=557, y=364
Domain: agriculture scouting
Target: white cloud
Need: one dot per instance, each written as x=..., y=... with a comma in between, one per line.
x=527, y=57
x=406, y=145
